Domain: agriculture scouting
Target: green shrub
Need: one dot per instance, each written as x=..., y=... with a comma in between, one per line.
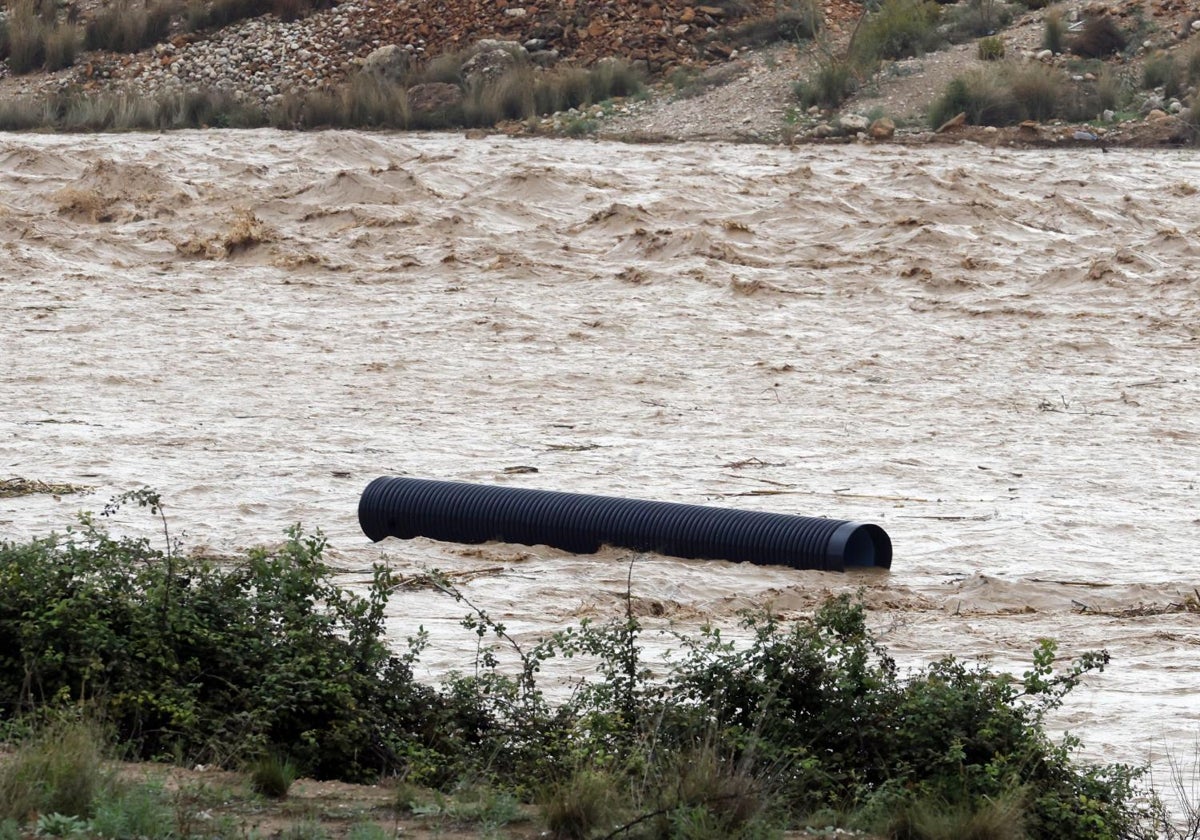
x=613, y=77
x=1037, y=90
x=1162, y=71
x=57, y=770
x=830, y=86
x=991, y=49
x=185, y=659
x=1002, y=95
x=975, y=18
x=272, y=775
x=586, y=800
x=900, y=28
x=723, y=741
x=1100, y=37
x=369, y=831
x=983, y=95
x=61, y=825
x=1054, y=33
x=137, y=812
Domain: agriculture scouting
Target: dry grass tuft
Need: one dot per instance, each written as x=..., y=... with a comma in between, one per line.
x=1100, y=37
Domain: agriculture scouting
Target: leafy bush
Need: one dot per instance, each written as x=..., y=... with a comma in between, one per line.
x=726, y=740
x=188, y=660
x=1100, y=37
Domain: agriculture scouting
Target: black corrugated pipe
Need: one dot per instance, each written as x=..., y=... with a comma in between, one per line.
x=475, y=513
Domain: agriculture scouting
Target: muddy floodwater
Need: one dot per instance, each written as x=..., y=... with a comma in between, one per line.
x=993, y=354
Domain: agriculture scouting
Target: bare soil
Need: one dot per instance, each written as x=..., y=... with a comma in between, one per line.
x=210, y=802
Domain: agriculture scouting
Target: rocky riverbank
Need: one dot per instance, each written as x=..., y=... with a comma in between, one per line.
x=708, y=77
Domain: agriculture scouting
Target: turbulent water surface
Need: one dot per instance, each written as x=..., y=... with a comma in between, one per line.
x=993, y=354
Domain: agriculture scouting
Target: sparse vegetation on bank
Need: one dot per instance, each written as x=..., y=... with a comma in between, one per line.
x=263, y=661
x=522, y=92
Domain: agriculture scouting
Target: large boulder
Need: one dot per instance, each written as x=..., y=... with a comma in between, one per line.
x=433, y=97
x=488, y=65
x=852, y=123
x=387, y=64
x=882, y=129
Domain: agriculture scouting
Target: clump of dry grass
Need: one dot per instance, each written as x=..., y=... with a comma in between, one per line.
x=34, y=38
x=1100, y=37
x=363, y=102
x=1002, y=94
x=129, y=25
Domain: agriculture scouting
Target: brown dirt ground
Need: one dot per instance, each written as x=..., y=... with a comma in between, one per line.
x=209, y=802
x=750, y=98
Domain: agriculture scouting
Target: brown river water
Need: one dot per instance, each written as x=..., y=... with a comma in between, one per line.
x=993, y=354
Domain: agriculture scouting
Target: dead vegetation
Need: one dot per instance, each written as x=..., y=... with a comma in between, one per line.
x=13, y=487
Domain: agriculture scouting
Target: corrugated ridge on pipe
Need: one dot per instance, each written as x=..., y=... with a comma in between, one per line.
x=455, y=511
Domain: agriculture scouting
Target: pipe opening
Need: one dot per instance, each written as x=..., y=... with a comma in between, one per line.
x=859, y=544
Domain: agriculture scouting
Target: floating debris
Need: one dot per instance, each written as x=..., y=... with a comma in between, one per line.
x=12, y=487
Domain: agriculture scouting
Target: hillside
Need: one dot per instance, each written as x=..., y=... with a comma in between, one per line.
x=726, y=71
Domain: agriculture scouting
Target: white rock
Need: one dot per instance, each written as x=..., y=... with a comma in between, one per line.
x=853, y=122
